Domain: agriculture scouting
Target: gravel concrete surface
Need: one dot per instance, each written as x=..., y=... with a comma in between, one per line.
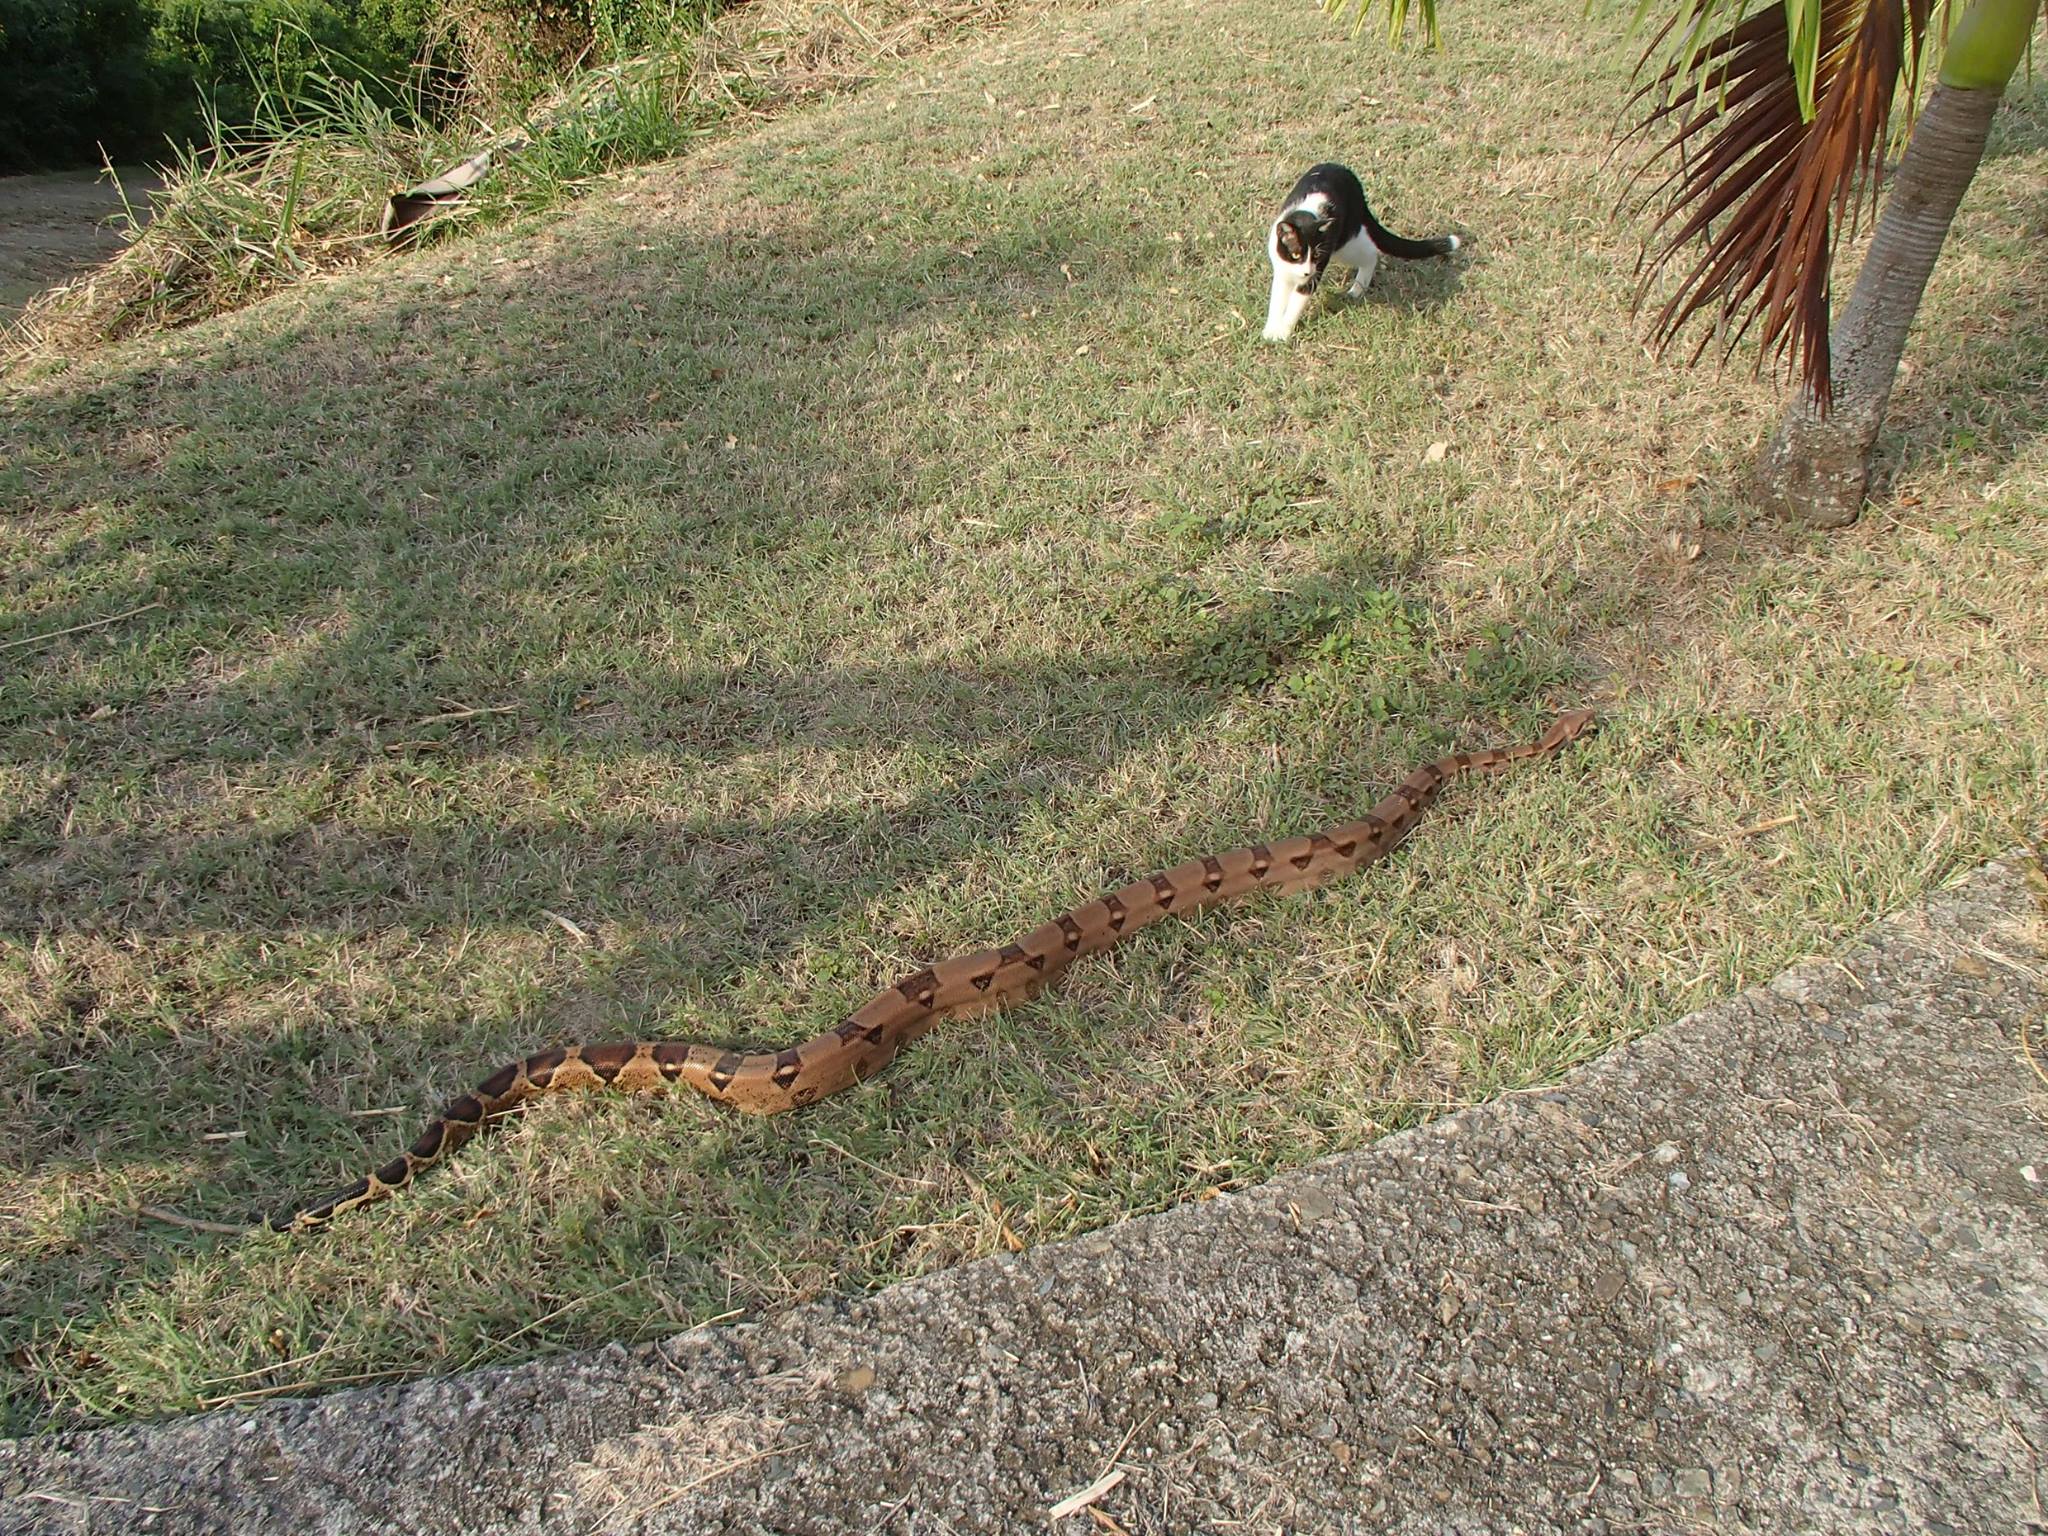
x=1781, y=1266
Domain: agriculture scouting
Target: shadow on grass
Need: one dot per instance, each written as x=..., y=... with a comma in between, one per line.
x=2021, y=126
x=423, y=561
x=1422, y=286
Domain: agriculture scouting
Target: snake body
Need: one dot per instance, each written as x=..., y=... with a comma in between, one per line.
x=768, y=1083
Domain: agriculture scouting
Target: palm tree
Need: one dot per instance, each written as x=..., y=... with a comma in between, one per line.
x=1774, y=118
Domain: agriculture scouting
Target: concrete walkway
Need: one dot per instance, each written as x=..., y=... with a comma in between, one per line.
x=55, y=226
x=1781, y=1267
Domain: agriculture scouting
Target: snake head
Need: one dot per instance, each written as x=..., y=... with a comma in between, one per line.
x=1567, y=727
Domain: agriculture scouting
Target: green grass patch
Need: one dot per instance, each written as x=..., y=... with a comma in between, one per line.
x=856, y=543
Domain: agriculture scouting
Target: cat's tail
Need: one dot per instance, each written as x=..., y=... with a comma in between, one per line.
x=1391, y=244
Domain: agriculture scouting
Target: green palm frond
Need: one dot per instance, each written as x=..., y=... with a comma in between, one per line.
x=1397, y=18
x=1775, y=119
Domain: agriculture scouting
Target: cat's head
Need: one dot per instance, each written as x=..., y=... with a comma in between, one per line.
x=1299, y=248
x=1300, y=239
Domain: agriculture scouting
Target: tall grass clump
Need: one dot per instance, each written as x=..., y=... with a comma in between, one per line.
x=297, y=190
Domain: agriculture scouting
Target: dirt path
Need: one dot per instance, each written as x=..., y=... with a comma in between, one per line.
x=54, y=226
x=1779, y=1267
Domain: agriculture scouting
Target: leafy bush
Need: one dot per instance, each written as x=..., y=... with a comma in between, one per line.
x=73, y=74
x=511, y=50
x=137, y=78
x=228, y=52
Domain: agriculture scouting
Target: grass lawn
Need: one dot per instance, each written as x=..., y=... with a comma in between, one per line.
x=857, y=542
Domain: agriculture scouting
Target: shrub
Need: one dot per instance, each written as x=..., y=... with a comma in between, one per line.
x=227, y=53
x=75, y=74
x=139, y=78
x=509, y=51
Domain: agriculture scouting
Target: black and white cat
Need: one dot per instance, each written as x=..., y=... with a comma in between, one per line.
x=1325, y=219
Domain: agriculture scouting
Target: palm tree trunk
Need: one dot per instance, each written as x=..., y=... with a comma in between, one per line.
x=1816, y=468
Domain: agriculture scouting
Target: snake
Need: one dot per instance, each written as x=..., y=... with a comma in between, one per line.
x=867, y=1040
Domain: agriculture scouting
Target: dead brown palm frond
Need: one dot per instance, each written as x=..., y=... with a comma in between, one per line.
x=1765, y=188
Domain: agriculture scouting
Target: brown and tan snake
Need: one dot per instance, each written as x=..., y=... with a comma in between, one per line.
x=866, y=1041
